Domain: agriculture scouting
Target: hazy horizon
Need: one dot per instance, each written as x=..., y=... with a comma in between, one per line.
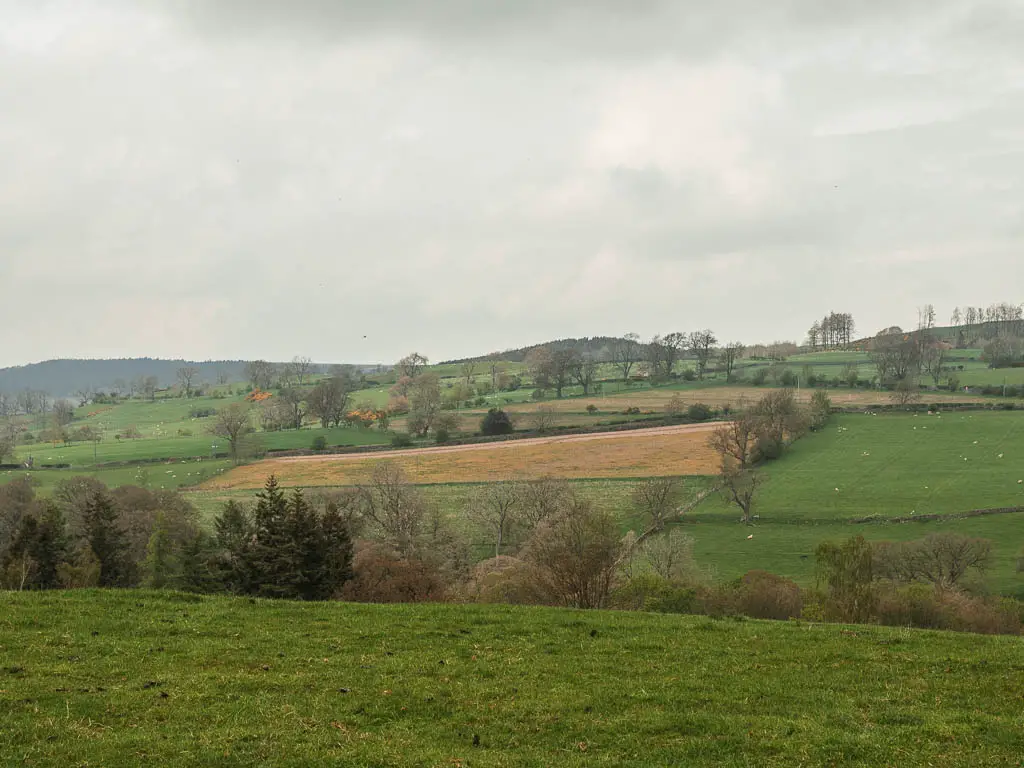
x=351, y=181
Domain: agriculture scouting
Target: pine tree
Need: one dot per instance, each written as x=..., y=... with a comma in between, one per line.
x=107, y=541
x=159, y=566
x=271, y=560
x=337, y=562
x=234, y=531
x=197, y=575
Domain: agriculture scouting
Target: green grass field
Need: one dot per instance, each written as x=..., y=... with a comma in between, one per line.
x=128, y=677
x=885, y=467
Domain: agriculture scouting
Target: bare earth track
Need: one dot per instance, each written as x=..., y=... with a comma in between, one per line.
x=675, y=450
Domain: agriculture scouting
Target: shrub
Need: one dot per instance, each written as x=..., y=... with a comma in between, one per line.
x=787, y=378
x=480, y=402
x=763, y=595
x=401, y=440
x=651, y=592
x=381, y=576
x=538, y=394
x=319, y=443
x=698, y=412
x=202, y=413
x=759, y=377
x=689, y=375
x=496, y=422
x=591, y=408
x=184, y=433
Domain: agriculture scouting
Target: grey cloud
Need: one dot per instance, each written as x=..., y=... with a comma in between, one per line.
x=260, y=179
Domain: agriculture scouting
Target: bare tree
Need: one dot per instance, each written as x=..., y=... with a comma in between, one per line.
x=626, y=353
x=670, y=555
x=584, y=371
x=543, y=417
x=150, y=384
x=942, y=559
x=412, y=364
x=260, y=374
x=736, y=440
x=328, y=400
x=424, y=403
x=905, y=392
x=496, y=369
x=295, y=402
x=663, y=352
x=657, y=499
x=84, y=395
x=303, y=367
x=541, y=498
x=63, y=413
x=496, y=509
x=728, y=357
x=702, y=347
x=394, y=506
x=186, y=376
x=739, y=487
x=575, y=554
x=467, y=369
x=232, y=423
x=933, y=358
x=895, y=355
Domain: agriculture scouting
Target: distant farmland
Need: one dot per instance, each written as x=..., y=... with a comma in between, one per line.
x=680, y=450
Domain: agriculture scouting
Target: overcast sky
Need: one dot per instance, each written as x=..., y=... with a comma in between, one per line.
x=356, y=180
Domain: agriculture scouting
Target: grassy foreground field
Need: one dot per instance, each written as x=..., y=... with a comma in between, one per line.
x=124, y=678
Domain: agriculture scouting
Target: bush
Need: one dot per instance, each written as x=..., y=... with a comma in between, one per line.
x=538, y=394
x=689, y=375
x=788, y=378
x=591, y=408
x=202, y=413
x=698, y=412
x=480, y=402
x=401, y=440
x=319, y=443
x=381, y=576
x=763, y=595
x=759, y=377
x=651, y=592
x=496, y=422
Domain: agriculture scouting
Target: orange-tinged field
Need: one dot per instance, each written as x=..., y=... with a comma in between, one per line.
x=679, y=450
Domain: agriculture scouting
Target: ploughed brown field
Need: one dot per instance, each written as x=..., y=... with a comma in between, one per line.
x=676, y=450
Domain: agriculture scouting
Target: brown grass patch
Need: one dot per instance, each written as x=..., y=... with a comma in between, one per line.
x=643, y=453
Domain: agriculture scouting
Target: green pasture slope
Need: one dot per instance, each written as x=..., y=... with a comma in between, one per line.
x=131, y=677
x=887, y=467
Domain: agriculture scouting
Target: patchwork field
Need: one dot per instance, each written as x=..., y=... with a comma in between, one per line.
x=680, y=450
x=126, y=677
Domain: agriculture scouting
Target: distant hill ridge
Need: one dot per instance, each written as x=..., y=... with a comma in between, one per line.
x=62, y=378
x=598, y=347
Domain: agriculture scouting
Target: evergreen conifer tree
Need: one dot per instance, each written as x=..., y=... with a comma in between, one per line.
x=107, y=541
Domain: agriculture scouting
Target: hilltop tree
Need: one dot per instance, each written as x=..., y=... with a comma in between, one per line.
x=702, y=347
x=626, y=353
x=301, y=367
x=232, y=424
x=260, y=374
x=186, y=377
x=293, y=400
x=328, y=400
x=896, y=355
x=584, y=371
x=412, y=364
x=663, y=352
x=728, y=357
x=424, y=403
